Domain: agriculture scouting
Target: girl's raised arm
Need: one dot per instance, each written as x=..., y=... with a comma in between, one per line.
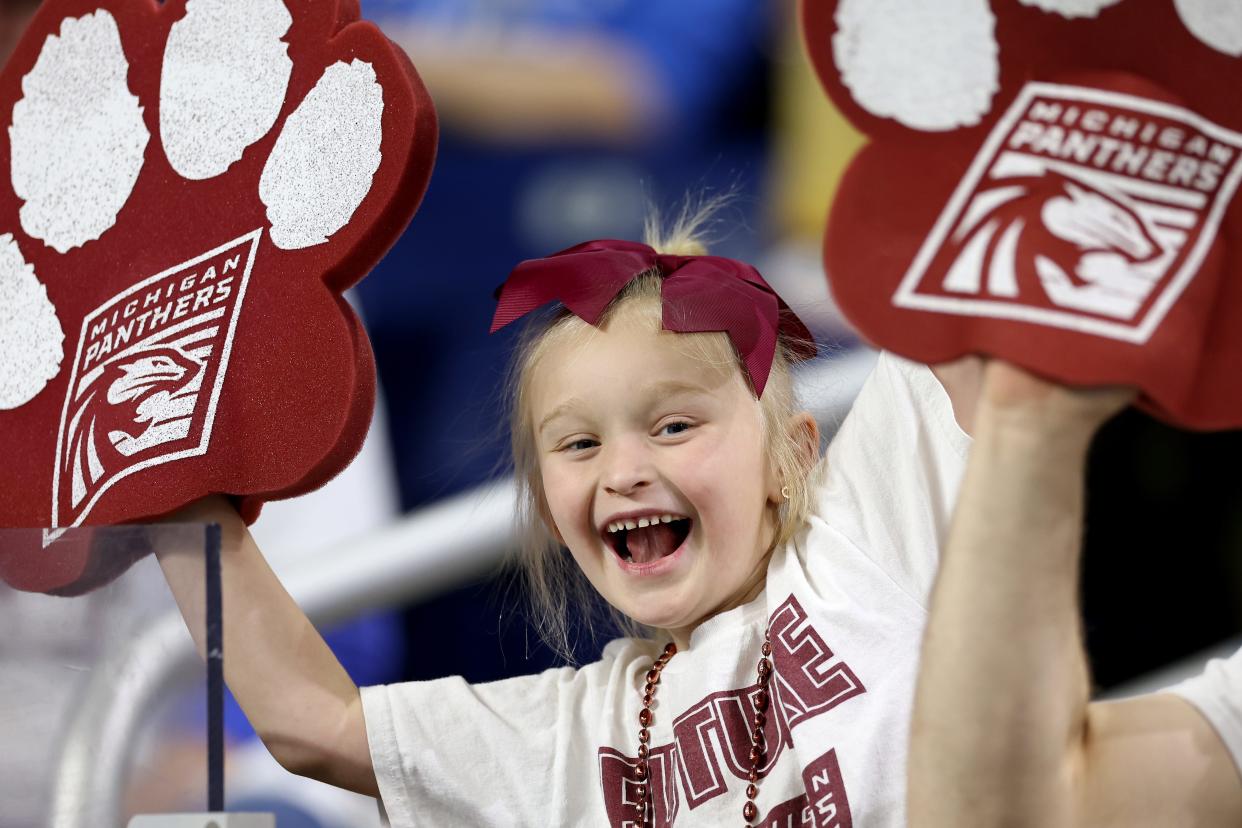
x=301, y=702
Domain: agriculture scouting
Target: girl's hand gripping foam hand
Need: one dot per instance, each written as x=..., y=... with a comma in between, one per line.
x=186, y=188
x=1052, y=182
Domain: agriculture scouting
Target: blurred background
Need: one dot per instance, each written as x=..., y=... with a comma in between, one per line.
x=566, y=120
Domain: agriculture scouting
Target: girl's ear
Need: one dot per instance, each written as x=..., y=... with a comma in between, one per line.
x=805, y=433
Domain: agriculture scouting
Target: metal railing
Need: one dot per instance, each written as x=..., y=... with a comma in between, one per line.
x=466, y=535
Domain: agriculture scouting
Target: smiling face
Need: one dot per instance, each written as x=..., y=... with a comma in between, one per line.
x=629, y=427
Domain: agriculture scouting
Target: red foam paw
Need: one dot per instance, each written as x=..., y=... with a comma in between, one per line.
x=186, y=189
x=1053, y=182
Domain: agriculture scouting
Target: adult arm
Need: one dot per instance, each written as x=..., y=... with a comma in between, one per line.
x=301, y=702
x=1003, y=730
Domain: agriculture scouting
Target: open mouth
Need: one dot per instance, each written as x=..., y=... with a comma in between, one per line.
x=646, y=539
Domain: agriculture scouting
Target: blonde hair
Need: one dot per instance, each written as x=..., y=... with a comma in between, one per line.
x=563, y=603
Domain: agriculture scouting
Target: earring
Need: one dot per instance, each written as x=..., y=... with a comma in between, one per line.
x=785, y=492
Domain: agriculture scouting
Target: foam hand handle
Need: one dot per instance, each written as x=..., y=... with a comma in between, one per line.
x=1053, y=182
x=186, y=188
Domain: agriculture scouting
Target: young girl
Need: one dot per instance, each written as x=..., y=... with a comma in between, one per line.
x=781, y=598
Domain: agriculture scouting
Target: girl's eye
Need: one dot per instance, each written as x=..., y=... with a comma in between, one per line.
x=580, y=445
x=669, y=429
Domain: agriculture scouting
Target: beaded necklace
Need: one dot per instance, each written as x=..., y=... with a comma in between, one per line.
x=758, y=748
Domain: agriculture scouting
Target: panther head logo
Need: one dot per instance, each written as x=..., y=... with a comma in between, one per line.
x=1087, y=246
x=141, y=400
x=146, y=391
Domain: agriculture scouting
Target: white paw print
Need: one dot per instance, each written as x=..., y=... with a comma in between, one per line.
x=936, y=66
x=31, y=339
x=79, y=144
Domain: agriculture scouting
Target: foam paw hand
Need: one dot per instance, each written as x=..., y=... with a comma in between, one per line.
x=1054, y=182
x=186, y=188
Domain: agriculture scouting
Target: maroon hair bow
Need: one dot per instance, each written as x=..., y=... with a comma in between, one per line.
x=700, y=294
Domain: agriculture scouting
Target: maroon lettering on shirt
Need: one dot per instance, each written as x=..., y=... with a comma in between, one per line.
x=825, y=792
x=718, y=728
x=792, y=813
x=618, y=773
x=823, y=805
x=712, y=737
x=809, y=681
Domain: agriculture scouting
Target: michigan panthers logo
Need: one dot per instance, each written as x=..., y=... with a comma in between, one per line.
x=148, y=372
x=1084, y=209
x=141, y=400
x=1090, y=249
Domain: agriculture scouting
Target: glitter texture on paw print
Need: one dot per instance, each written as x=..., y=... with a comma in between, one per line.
x=78, y=138
x=31, y=339
x=1218, y=23
x=322, y=167
x=1071, y=8
x=929, y=66
x=215, y=102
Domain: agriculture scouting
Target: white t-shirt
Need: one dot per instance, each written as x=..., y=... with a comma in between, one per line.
x=846, y=601
x=1217, y=694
